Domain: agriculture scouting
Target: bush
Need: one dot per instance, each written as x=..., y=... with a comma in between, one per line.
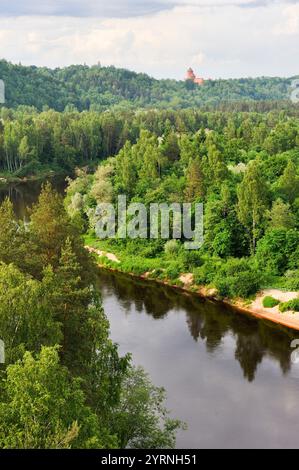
x=172, y=247
x=137, y=265
x=158, y=273
x=173, y=270
x=278, y=251
x=270, y=302
x=206, y=273
x=237, y=278
x=144, y=248
x=191, y=259
x=292, y=280
x=290, y=305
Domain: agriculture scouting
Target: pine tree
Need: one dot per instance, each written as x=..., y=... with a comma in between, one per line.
x=49, y=229
x=281, y=215
x=195, y=187
x=288, y=183
x=72, y=300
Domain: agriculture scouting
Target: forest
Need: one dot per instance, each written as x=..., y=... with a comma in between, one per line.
x=99, y=88
x=31, y=142
x=64, y=383
x=243, y=167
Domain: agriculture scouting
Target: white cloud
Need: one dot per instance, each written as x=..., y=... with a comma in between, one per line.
x=290, y=21
x=218, y=42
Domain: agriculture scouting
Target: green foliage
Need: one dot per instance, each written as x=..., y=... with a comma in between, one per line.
x=278, y=250
x=27, y=315
x=172, y=247
x=173, y=270
x=141, y=408
x=237, y=278
x=270, y=302
x=206, y=273
x=191, y=259
x=44, y=407
x=281, y=216
x=291, y=280
x=63, y=380
x=83, y=88
x=290, y=305
x=252, y=202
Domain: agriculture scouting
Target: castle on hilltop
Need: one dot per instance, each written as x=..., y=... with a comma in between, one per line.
x=191, y=76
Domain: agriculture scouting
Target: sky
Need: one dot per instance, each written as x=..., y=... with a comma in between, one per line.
x=218, y=38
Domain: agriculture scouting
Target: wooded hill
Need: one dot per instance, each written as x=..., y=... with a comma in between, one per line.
x=100, y=88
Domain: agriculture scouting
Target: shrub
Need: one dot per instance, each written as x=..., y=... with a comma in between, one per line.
x=157, y=273
x=173, y=270
x=191, y=259
x=292, y=280
x=137, y=265
x=278, y=250
x=172, y=247
x=290, y=305
x=237, y=278
x=206, y=273
x=270, y=302
x=144, y=248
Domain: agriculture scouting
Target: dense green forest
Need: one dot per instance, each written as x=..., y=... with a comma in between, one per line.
x=101, y=88
x=242, y=166
x=63, y=384
x=31, y=141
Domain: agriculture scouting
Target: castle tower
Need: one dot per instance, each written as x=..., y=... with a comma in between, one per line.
x=190, y=74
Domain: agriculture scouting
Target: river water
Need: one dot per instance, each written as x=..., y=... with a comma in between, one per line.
x=228, y=376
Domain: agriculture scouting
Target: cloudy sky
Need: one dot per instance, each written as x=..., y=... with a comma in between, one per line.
x=218, y=38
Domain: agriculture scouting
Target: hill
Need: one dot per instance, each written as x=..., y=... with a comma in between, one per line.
x=100, y=88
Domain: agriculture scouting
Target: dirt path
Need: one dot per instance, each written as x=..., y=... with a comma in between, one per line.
x=108, y=255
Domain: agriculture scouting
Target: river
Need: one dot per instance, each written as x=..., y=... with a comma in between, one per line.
x=228, y=376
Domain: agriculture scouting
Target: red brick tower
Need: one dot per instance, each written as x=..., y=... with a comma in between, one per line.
x=190, y=74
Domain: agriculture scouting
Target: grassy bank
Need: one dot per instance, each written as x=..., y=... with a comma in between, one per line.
x=171, y=264
x=169, y=270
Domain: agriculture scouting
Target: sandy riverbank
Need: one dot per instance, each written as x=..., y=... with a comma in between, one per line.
x=289, y=319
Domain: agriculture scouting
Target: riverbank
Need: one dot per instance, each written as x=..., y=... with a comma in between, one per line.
x=8, y=180
x=186, y=284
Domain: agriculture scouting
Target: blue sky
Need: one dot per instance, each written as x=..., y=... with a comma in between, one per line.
x=218, y=38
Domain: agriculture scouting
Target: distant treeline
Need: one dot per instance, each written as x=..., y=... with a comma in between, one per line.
x=100, y=88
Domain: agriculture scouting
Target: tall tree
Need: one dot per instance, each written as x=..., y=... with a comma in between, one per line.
x=288, y=183
x=195, y=184
x=252, y=202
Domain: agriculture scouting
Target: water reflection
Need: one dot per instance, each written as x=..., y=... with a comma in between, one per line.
x=229, y=376
x=207, y=321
